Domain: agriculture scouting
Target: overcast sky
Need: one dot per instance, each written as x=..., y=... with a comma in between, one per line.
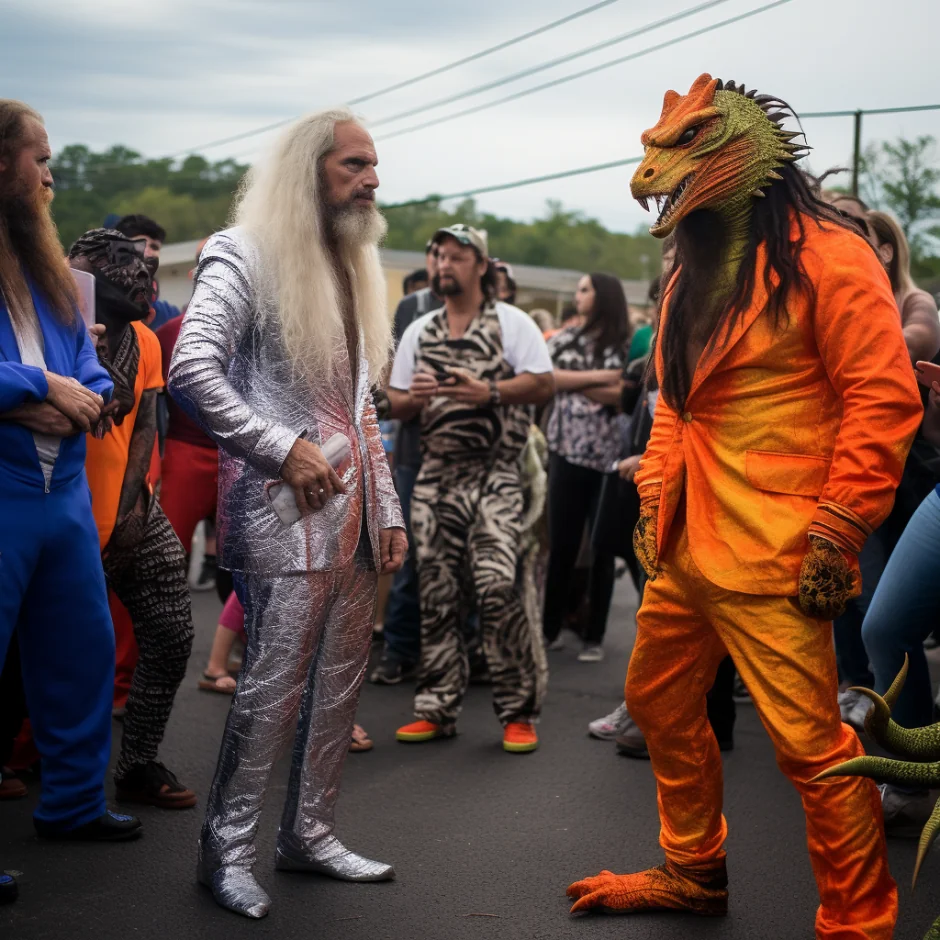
x=168, y=75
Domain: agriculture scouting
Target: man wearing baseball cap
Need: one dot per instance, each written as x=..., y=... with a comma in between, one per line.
x=471, y=372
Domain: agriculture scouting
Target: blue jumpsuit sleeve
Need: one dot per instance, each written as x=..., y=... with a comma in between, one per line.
x=88, y=370
x=20, y=384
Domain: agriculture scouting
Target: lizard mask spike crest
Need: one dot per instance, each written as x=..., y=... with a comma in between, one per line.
x=715, y=148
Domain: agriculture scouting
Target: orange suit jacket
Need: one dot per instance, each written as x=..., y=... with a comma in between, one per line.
x=789, y=431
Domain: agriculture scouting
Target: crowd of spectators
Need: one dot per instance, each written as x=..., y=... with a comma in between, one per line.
x=516, y=441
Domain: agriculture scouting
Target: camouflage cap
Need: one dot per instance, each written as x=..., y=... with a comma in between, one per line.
x=466, y=235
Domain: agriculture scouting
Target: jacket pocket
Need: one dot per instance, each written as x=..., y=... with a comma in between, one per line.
x=793, y=474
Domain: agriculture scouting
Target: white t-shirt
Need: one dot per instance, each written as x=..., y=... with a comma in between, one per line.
x=523, y=345
x=29, y=341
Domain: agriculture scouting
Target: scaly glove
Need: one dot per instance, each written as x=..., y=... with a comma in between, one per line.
x=827, y=580
x=644, y=540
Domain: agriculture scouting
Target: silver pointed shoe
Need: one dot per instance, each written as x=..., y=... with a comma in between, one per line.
x=235, y=889
x=333, y=859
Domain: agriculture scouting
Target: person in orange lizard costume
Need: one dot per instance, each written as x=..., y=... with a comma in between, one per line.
x=786, y=411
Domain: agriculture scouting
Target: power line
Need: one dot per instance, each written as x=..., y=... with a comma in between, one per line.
x=803, y=116
x=561, y=60
x=828, y=114
x=412, y=81
x=479, y=55
x=597, y=68
x=589, y=169
x=597, y=167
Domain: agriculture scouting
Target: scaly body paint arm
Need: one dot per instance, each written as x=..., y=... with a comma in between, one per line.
x=139, y=454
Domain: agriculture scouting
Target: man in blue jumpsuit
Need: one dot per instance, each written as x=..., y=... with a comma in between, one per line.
x=52, y=588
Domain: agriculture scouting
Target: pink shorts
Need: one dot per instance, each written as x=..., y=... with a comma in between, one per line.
x=233, y=615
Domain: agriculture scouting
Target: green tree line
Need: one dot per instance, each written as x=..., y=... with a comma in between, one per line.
x=192, y=198
x=559, y=239
x=189, y=198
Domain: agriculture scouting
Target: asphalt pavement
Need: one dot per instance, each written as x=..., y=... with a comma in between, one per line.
x=484, y=842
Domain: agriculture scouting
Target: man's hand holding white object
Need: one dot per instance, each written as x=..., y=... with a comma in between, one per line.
x=310, y=476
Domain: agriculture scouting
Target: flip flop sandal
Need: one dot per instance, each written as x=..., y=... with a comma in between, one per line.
x=360, y=740
x=211, y=684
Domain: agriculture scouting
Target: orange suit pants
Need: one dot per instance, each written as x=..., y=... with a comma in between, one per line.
x=787, y=661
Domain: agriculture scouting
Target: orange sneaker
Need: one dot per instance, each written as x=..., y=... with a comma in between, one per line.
x=666, y=888
x=519, y=737
x=423, y=731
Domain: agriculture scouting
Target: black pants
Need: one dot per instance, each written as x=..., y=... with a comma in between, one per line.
x=720, y=701
x=573, y=494
x=12, y=701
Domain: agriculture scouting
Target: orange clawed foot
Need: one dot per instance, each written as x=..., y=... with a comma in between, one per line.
x=666, y=888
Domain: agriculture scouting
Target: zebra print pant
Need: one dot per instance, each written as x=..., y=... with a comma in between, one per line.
x=467, y=514
x=150, y=581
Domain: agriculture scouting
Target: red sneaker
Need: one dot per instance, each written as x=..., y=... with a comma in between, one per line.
x=419, y=731
x=519, y=737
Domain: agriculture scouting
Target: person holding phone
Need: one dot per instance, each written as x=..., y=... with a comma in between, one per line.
x=901, y=615
x=921, y=329
x=471, y=371
x=285, y=335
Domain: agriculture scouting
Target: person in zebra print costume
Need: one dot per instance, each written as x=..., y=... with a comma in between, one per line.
x=472, y=370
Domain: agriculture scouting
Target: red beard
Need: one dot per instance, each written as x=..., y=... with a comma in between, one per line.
x=29, y=242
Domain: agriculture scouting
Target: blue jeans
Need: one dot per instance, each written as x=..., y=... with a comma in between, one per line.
x=903, y=613
x=851, y=655
x=402, y=627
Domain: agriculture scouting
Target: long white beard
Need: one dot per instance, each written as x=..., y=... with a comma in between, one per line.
x=358, y=225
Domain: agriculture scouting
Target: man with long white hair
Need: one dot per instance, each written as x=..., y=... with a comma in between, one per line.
x=286, y=331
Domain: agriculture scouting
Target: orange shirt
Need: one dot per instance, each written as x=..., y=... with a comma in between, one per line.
x=106, y=462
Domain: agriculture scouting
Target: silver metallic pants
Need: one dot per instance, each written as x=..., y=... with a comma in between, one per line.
x=308, y=642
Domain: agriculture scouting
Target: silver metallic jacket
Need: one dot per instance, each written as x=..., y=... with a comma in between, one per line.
x=234, y=379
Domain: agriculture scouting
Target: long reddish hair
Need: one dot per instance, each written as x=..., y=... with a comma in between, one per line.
x=29, y=242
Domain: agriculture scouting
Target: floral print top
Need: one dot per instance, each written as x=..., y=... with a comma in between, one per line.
x=582, y=431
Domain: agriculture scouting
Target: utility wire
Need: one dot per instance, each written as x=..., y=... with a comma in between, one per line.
x=485, y=52
x=412, y=81
x=803, y=116
x=597, y=167
x=604, y=166
x=561, y=60
x=568, y=78
x=828, y=114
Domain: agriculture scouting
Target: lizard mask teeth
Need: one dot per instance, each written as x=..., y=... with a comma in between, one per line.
x=670, y=201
